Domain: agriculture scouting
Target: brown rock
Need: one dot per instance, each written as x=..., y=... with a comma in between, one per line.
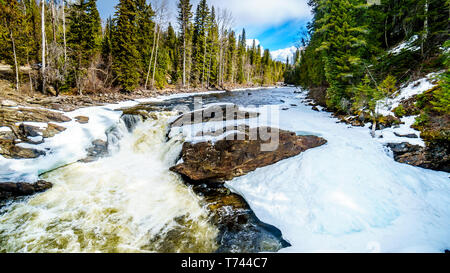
x=240, y=230
x=434, y=156
x=227, y=159
x=214, y=113
x=52, y=130
x=8, y=149
x=82, y=119
x=11, y=190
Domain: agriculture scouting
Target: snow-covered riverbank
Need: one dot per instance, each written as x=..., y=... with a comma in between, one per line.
x=349, y=195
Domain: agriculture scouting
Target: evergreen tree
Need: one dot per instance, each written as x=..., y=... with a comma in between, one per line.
x=83, y=38
x=199, y=42
x=184, y=21
x=125, y=51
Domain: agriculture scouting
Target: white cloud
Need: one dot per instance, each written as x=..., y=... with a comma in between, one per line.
x=258, y=13
x=282, y=54
x=264, y=13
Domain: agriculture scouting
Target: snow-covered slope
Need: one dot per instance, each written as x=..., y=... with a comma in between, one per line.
x=386, y=108
x=349, y=195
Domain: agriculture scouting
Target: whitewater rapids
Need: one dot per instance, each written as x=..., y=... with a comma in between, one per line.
x=129, y=202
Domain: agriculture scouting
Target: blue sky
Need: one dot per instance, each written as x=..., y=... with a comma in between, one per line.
x=275, y=23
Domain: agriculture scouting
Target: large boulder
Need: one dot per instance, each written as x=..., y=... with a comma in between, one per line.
x=12, y=190
x=240, y=230
x=226, y=159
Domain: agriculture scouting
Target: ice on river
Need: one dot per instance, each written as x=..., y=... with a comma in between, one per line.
x=349, y=195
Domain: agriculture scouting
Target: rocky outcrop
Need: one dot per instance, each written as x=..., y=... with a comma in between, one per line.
x=240, y=230
x=98, y=149
x=82, y=119
x=12, y=190
x=435, y=157
x=20, y=132
x=213, y=113
x=227, y=159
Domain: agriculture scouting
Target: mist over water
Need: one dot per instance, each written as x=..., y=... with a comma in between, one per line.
x=129, y=202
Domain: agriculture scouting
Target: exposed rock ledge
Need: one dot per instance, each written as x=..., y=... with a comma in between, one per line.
x=435, y=157
x=226, y=159
x=12, y=190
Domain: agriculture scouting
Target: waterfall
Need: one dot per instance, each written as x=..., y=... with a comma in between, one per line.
x=128, y=202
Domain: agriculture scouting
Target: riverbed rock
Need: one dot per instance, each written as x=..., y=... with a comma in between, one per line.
x=82, y=119
x=12, y=190
x=98, y=149
x=8, y=103
x=227, y=159
x=406, y=135
x=9, y=149
x=240, y=230
x=435, y=157
x=52, y=130
x=214, y=113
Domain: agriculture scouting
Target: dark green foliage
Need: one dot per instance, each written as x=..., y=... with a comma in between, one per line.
x=348, y=39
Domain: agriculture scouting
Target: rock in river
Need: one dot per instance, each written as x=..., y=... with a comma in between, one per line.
x=226, y=159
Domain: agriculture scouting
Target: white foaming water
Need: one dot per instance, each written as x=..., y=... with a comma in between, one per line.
x=129, y=202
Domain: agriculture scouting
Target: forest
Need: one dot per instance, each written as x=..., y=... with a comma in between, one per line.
x=58, y=46
x=358, y=52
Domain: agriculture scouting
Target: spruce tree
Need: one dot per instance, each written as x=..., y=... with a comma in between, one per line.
x=125, y=51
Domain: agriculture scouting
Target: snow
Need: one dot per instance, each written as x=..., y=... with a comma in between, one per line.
x=70, y=145
x=5, y=129
x=386, y=108
x=406, y=46
x=348, y=195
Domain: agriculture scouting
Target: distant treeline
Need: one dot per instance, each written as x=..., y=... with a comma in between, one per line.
x=137, y=48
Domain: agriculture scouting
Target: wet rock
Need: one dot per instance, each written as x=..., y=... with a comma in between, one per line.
x=227, y=159
x=240, y=230
x=82, y=119
x=407, y=135
x=214, y=113
x=98, y=149
x=52, y=130
x=8, y=103
x=13, y=116
x=29, y=131
x=9, y=149
x=315, y=109
x=12, y=190
x=434, y=156
x=387, y=121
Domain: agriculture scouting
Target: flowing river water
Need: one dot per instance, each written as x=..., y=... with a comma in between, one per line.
x=128, y=202
x=337, y=197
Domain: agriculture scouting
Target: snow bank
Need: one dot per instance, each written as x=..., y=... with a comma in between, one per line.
x=349, y=195
x=386, y=108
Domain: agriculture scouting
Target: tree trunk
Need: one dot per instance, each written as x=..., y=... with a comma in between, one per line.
x=53, y=20
x=151, y=57
x=204, y=62
x=43, y=45
x=15, y=60
x=184, y=57
x=156, y=58
x=64, y=30
x=425, y=26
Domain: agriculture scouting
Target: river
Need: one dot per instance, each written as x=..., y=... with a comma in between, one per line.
x=347, y=196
